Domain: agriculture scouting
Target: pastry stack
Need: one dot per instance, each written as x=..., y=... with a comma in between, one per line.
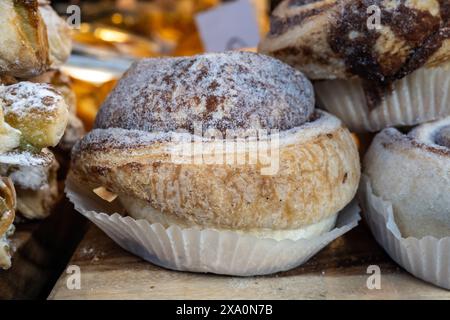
x=35, y=109
x=217, y=163
x=390, y=77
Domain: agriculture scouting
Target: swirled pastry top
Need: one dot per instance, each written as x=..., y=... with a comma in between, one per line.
x=231, y=90
x=330, y=39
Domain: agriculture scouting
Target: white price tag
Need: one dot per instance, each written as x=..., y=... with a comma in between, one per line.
x=229, y=26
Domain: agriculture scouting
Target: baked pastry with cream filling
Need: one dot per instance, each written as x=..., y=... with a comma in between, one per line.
x=269, y=164
x=7, y=206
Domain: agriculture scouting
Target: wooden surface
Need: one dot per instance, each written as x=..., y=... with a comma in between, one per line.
x=42, y=250
x=337, y=272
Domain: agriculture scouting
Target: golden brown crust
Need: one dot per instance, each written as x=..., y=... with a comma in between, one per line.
x=318, y=175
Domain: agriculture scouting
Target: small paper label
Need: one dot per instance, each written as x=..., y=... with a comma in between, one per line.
x=229, y=26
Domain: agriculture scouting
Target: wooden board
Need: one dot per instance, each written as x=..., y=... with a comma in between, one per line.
x=337, y=272
x=42, y=250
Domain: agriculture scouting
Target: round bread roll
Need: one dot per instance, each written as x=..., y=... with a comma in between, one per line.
x=227, y=141
x=413, y=173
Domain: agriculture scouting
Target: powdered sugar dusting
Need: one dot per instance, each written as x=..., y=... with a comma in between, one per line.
x=232, y=90
x=24, y=98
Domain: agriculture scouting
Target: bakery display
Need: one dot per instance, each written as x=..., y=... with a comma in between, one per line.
x=371, y=76
x=412, y=171
x=7, y=207
x=129, y=151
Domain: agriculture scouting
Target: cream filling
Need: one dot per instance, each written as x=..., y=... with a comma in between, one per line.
x=139, y=209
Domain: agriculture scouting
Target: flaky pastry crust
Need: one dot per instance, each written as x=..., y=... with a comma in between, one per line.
x=317, y=177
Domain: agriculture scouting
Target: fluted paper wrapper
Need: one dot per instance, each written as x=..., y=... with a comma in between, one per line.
x=203, y=250
x=419, y=97
x=427, y=258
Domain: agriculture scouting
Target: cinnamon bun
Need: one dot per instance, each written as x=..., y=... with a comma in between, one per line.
x=175, y=141
x=376, y=63
x=412, y=171
x=33, y=39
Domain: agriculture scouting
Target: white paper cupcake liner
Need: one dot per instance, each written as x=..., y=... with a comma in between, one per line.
x=427, y=258
x=419, y=97
x=203, y=250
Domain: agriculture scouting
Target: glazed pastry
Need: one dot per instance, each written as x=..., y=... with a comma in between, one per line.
x=412, y=172
x=33, y=39
x=7, y=206
x=396, y=75
x=160, y=107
